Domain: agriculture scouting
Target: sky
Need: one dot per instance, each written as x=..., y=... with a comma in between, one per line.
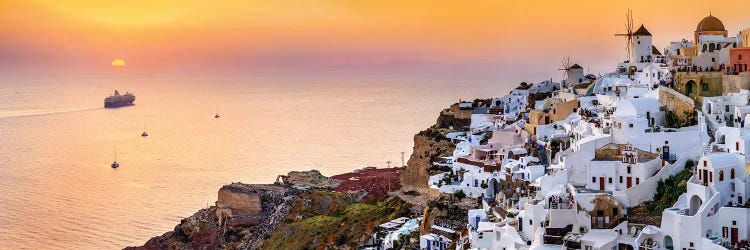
x=495, y=39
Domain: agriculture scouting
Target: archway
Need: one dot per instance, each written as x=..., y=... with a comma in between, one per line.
x=492, y=188
x=690, y=87
x=695, y=204
x=668, y=244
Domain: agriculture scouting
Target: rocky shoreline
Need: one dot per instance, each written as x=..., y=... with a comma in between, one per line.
x=251, y=216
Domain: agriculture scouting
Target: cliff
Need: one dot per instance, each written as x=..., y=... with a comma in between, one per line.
x=429, y=146
x=296, y=215
x=243, y=217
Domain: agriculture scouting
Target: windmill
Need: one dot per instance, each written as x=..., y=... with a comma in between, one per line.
x=566, y=66
x=629, y=29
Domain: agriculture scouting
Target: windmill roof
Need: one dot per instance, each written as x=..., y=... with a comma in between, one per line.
x=576, y=66
x=642, y=31
x=655, y=51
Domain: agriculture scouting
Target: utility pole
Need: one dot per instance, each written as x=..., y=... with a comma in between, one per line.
x=389, y=163
x=403, y=163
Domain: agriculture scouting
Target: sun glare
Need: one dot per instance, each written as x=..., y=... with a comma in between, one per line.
x=118, y=63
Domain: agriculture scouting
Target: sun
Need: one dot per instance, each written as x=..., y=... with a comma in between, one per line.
x=118, y=63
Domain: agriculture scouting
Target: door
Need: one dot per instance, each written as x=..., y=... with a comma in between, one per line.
x=630, y=181
x=601, y=183
x=735, y=234
x=705, y=177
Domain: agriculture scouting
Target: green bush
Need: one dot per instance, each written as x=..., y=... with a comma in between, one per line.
x=460, y=194
x=669, y=190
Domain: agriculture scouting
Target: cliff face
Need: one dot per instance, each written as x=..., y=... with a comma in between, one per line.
x=244, y=216
x=429, y=146
x=448, y=120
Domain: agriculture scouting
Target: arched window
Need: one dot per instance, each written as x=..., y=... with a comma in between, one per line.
x=705, y=47
x=721, y=175
x=731, y=173
x=739, y=57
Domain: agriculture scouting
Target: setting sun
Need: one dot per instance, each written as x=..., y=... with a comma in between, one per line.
x=118, y=63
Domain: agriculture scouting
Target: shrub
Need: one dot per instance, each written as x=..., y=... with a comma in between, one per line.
x=460, y=194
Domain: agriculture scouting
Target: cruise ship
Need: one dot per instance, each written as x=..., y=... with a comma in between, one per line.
x=117, y=100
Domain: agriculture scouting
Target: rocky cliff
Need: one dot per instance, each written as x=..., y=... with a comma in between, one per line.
x=429, y=146
x=243, y=217
x=296, y=215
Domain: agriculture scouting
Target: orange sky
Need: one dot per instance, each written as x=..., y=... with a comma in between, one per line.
x=526, y=38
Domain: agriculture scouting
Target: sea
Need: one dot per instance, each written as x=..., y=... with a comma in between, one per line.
x=58, y=191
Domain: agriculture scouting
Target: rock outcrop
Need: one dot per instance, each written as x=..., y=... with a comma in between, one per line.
x=429, y=146
x=243, y=217
x=449, y=120
x=238, y=200
x=312, y=178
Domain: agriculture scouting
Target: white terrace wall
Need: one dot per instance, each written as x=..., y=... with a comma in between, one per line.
x=647, y=189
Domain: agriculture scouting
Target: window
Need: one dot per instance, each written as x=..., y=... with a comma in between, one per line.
x=734, y=223
x=739, y=57
x=637, y=181
x=731, y=173
x=610, y=180
x=705, y=163
x=704, y=86
x=630, y=125
x=593, y=179
x=621, y=179
x=628, y=169
x=737, y=146
x=710, y=177
x=721, y=175
x=615, y=211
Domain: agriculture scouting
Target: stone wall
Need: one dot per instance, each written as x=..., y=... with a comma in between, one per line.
x=679, y=104
x=733, y=83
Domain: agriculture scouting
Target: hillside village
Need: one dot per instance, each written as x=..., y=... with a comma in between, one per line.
x=649, y=156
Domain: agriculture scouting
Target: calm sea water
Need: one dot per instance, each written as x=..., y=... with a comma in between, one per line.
x=57, y=190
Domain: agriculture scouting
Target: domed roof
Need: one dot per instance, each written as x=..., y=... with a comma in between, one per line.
x=710, y=23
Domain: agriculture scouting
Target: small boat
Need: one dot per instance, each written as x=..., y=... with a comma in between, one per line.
x=115, y=164
x=217, y=113
x=144, y=134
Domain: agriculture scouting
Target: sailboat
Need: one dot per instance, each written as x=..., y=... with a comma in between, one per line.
x=115, y=164
x=217, y=113
x=144, y=134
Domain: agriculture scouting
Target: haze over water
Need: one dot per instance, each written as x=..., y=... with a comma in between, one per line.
x=58, y=190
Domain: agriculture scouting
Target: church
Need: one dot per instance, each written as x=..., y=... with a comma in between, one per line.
x=702, y=64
